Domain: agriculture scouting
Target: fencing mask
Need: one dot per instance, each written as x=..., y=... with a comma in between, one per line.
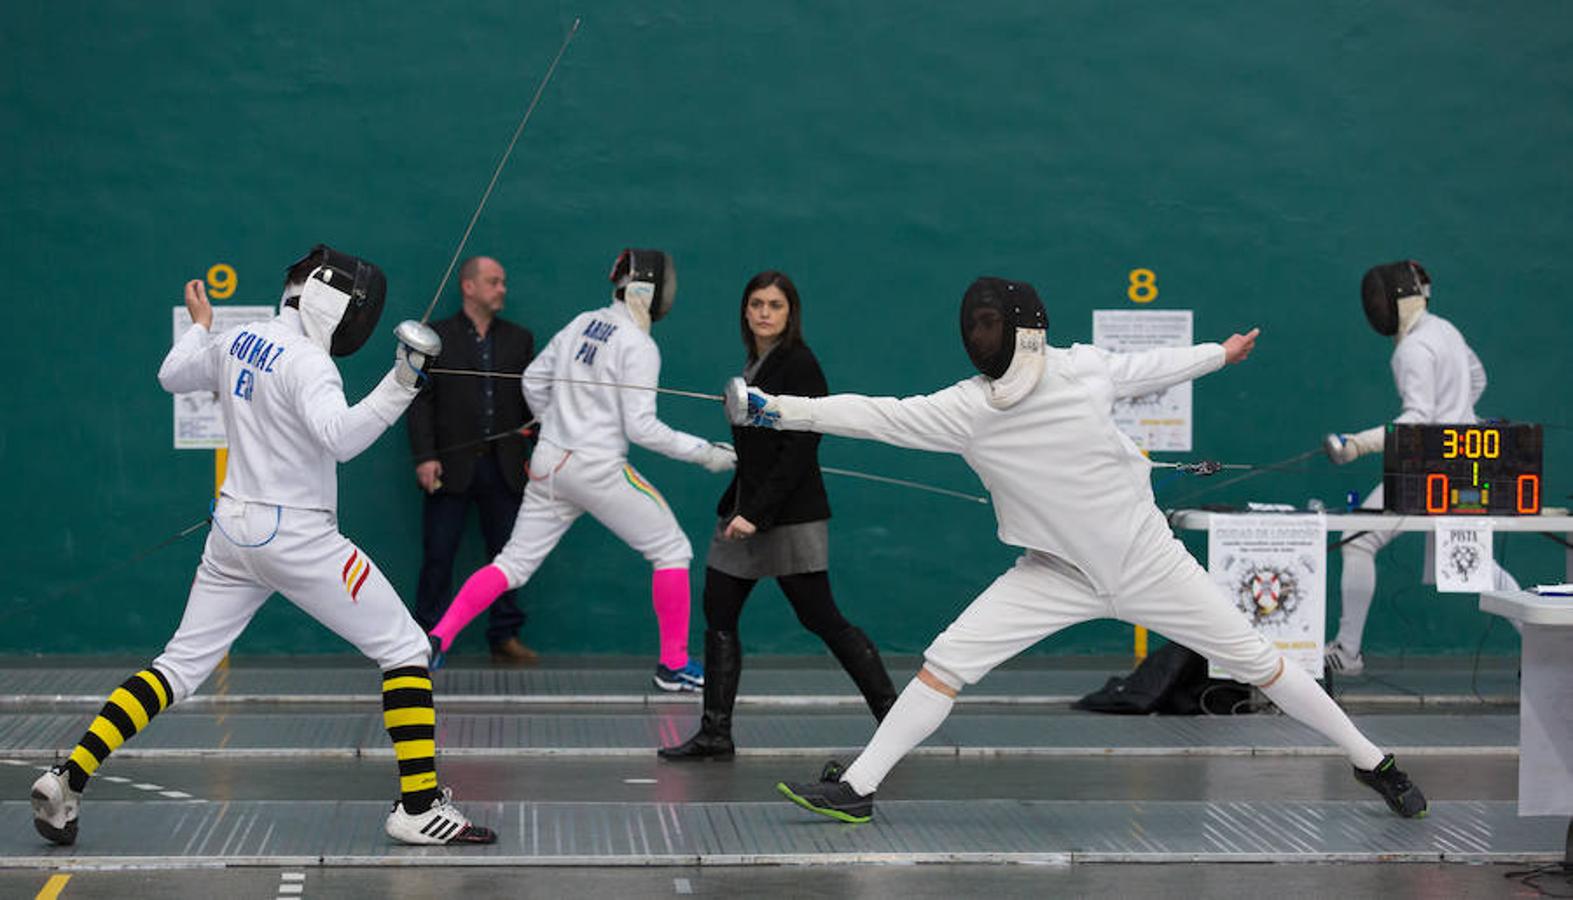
x=1394, y=294
x=646, y=280
x=1004, y=328
x=339, y=296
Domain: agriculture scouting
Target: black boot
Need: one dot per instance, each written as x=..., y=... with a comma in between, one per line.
x=723, y=665
x=858, y=655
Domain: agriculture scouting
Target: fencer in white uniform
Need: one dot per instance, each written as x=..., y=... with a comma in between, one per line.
x=275, y=528
x=1439, y=380
x=1073, y=492
x=592, y=388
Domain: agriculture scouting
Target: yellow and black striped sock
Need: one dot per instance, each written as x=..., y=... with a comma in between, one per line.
x=128, y=710
x=411, y=720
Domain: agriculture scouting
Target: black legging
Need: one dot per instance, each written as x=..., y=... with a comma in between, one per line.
x=808, y=593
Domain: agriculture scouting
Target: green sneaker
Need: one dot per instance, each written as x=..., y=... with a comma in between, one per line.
x=1395, y=787
x=830, y=796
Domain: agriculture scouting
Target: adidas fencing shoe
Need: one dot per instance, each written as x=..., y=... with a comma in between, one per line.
x=1395, y=787
x=1342, y=661
x=55, y=807
x=690, y=677
x=442, y=824
x=830, y=796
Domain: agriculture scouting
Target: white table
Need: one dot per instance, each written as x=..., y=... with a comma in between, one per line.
x=1198, y=520
x=1545, y=710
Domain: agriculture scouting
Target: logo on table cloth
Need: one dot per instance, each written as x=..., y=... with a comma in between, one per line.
x=1267, y=594
x=356, y=570
x=642, y=486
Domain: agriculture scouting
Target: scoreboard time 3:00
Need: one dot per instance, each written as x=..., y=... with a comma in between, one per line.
x=1462, y=469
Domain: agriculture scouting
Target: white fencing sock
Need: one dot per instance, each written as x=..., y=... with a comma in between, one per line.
x=1300, y=697
x=917, y=713
x=1356, y=587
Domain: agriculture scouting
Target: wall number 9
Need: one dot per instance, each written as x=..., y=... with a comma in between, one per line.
x=221, y=281
x=1144, y=286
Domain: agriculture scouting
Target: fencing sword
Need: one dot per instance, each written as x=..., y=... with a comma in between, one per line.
x=1202, y=467
x=1255, y=471
x=539, y=90
x=696, y=395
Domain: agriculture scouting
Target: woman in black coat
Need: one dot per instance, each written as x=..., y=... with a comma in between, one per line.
x=774, y=524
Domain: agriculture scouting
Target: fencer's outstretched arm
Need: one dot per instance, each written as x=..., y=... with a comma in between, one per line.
x=342, y=429
x=940, y=422
x=641, y=366
x=1149, y=371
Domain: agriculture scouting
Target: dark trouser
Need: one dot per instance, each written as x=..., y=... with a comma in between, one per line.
x=442, y=529
x=809, y=594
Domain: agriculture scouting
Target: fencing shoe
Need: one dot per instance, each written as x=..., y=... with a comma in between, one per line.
x=1342, y=661
x=442, y=824
x=1395, y=787
x=55, y=807
x=690, y=677
x=830, y=796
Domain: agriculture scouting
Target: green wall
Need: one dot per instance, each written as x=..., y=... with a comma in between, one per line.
x=1258, y=157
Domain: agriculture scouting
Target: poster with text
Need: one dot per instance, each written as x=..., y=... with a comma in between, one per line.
x=1160, y=420
x=1273, y=568
x=199, y=424
x=1463, y=556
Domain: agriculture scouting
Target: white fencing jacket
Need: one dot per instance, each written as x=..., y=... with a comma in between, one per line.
x=285, y=417
x=603, y=346
x=1064, y=480
x=1439, y=378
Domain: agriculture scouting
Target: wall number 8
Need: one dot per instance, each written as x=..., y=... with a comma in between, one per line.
x=1144, y=286
x=221, y=281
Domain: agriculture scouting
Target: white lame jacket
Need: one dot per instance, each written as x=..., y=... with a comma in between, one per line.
x=1063, y=479
x=604, y=347
x=1439, y=378
x=285, y=417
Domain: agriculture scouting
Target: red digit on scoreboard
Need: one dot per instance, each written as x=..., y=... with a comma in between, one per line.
x=1436, y=493
x=1529, y=487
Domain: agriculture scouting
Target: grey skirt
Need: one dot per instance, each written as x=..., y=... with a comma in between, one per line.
x=773, y=552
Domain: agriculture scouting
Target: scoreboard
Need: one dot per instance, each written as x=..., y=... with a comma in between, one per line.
x=1487, y=470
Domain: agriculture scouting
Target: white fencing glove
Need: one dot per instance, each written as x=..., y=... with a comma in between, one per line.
x=718, y=458
x=1346, y=448
x=747, y=405
x=418, y=346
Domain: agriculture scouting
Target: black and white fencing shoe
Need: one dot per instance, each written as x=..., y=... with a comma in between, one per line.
x=55, y=807
x=442, y=824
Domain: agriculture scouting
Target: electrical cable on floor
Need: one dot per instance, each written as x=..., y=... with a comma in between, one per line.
x=1531, y=877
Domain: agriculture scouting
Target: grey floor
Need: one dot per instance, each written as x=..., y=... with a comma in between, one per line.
x=275, y=780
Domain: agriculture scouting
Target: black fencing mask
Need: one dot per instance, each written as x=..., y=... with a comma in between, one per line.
x=339, y=296
x=1383, y=286
x=649, y=267
x=992, y=311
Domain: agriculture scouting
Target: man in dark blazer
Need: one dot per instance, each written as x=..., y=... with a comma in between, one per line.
x=466, y=441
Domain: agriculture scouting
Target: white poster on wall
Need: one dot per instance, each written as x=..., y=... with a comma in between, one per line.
x=199, y=425
x=1274, y=569
x=1160, y=420
x=1463, y=556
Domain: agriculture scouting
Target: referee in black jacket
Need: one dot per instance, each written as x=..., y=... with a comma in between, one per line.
x=464, y=437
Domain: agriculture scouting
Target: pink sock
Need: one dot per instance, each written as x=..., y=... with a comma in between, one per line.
x=480, y=591
x=669, y=596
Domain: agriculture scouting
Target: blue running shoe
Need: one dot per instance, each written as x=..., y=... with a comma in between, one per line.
x=689, y=678
x=437, y=656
